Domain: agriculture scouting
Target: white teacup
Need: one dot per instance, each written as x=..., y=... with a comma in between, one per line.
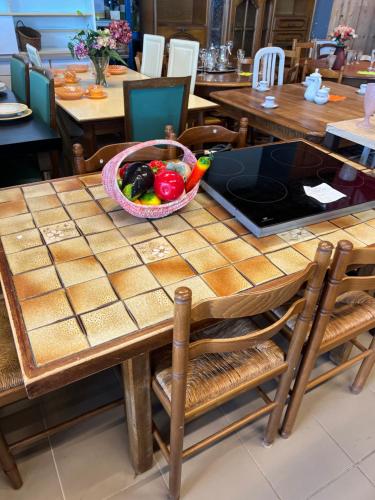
x=269, y=102
x=262, y=85
x=362, y=88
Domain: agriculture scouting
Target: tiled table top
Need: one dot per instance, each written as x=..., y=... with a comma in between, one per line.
x=87, y=283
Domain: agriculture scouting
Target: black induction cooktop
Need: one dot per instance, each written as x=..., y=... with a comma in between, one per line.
x=264, y=186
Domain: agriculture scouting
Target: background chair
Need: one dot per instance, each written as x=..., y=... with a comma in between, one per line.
x=231, y=357
x=329, y=74
x=19, y=78
x=306, y=48
x=345, y=311
x=152, y=55
x=325, y=49
x=150, y=104
x=183, y=60
x=267, y=57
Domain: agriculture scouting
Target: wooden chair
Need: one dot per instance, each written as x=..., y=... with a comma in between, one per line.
x=152, y=55
x=292, y=74
x=150, y=104
x=183, y=59
x=323, y=50
x=138, y=61
x=329, y=74
x=345, y=311
x=231, y=357
x=19, y=78
x=267, y=56
x=12, y=390
x=307, y=47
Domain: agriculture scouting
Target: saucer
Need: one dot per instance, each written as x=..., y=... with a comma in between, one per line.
x=360, y=93
x=262, y=90
x=101, y=96
x=269, y=107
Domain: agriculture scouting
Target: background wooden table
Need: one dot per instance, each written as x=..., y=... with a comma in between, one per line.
x=294, y=117
x=209, y=82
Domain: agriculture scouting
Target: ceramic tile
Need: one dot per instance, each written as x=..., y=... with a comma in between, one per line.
x=98, y=192
x=13, y=194
x=288, y=260
x=371, y=222
x=107, y=323
x=236, y=250
x=199, y=289
x=266, y=243
x=90, y=295
x=351, y=485
x=133, y=281
x=199, y=217
x=10, y=208
x=84, y=209
x=43, y=202
x=67, y=185
x=345, y=221
x=335, y=237
x=36, y=282
x=258, y=269
x=109, y=205
x=108, y=240
x=56, y=341
x=139, y=232
x=42, y=189
x=187, y=241
x=46, y=309
x=170, y=225
x=193, y=205
x=169, y=271
x=92, y=180
x=148, y=487
x=219, y=212
x=236, y=226
x=95, y=224
x=122, y=218
x=296, y=235
x=78, y=271
x=52, y=216
x=73, y=249
x=362, y=232
x=15, y=224
x=226, y=281
x=118, y=259
x=59, y=232
x=308, y=248
x=76, y=196
x=29, y=259
x=21, y=241
x=205, y=259
x=205, y=200
x=365, y=215
x=215, y=233
x=367, y=466
x=150, y=308
x=156, y=249
x=321, y=228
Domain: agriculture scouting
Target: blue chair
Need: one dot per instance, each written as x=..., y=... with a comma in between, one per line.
x=19, y=78
x=151, y=104
x=42, y=96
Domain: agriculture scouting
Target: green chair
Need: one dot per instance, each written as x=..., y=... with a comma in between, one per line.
x=153, y=103
x=42, y=96
x=19, y=77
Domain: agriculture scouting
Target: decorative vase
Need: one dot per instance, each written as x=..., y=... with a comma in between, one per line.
x=340, y=57
x=369, y=105
x=100, y=64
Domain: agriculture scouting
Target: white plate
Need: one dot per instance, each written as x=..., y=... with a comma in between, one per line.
x=360, y=93
x=262, y=90
x=28, y=112
x=270, y=107
x=11, y=109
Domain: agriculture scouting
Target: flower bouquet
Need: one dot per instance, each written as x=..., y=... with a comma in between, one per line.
x=100, y=46
x=340, y=35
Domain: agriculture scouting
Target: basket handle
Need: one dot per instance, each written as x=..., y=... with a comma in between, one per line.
x=18, y=23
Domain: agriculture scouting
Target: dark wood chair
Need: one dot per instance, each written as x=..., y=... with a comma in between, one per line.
x=345, y=311
x=292, y=74
x=230, y=357
x=320, y=46
x=328, y=74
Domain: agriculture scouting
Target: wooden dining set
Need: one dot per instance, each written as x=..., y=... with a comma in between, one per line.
x=193, y=308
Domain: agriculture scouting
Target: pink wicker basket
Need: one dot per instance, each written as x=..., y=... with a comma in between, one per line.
x=109, y=176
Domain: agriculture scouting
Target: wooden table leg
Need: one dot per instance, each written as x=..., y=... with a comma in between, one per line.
x=331, y=141
x=136, y=377
x=89, y=138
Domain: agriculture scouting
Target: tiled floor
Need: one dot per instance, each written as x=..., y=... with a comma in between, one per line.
x=330, y=456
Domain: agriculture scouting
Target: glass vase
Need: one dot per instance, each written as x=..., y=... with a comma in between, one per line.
x=100, y=64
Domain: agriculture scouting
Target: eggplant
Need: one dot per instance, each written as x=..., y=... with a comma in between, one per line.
x=140, y=177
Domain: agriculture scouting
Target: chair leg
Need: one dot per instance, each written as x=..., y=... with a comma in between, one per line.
x=364, y=370
x=176, y=447
x=8, y=464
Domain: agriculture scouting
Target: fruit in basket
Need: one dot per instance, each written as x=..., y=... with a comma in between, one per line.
x=168, y=185
x=157, y=166
x=180, y=167
x=198, y=172
x=149, y=199
x=138, y=178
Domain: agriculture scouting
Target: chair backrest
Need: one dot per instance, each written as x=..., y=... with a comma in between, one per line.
x=291, y=75
x=267, y=56
x=19, y=78
x=183, y=59
x=325, y=49
x=33, y=56
x=152, y=55
x=329, y=74
x=150, y=104
x=97, y=161
x=258, y=300
x=138, y=61
x=210, y=134
x=294, y=55
x=307, y=47
x=365, y=57
x=42, y=96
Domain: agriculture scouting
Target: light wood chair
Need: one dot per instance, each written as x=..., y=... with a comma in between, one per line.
x=345, y=311
x=231, y=357
x=307, y=47
x=292, y=74
x=329, y=74
x=152, y=55
x=183, y=59
x=138, y=61
x=267, y=57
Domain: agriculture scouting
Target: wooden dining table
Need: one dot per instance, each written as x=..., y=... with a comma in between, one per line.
x=294, y=117
x=210, y=82
x=95, y=114
x=88, y=286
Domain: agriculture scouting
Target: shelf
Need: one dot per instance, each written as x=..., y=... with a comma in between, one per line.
x=45, y=14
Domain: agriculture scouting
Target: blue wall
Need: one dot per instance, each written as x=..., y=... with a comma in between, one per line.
x=321, y=19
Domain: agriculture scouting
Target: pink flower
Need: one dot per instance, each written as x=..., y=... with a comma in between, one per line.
x=120, y=31
x=80, y=50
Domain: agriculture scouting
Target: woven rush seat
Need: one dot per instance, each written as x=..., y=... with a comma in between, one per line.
x=211, y=375
x=10, y=373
